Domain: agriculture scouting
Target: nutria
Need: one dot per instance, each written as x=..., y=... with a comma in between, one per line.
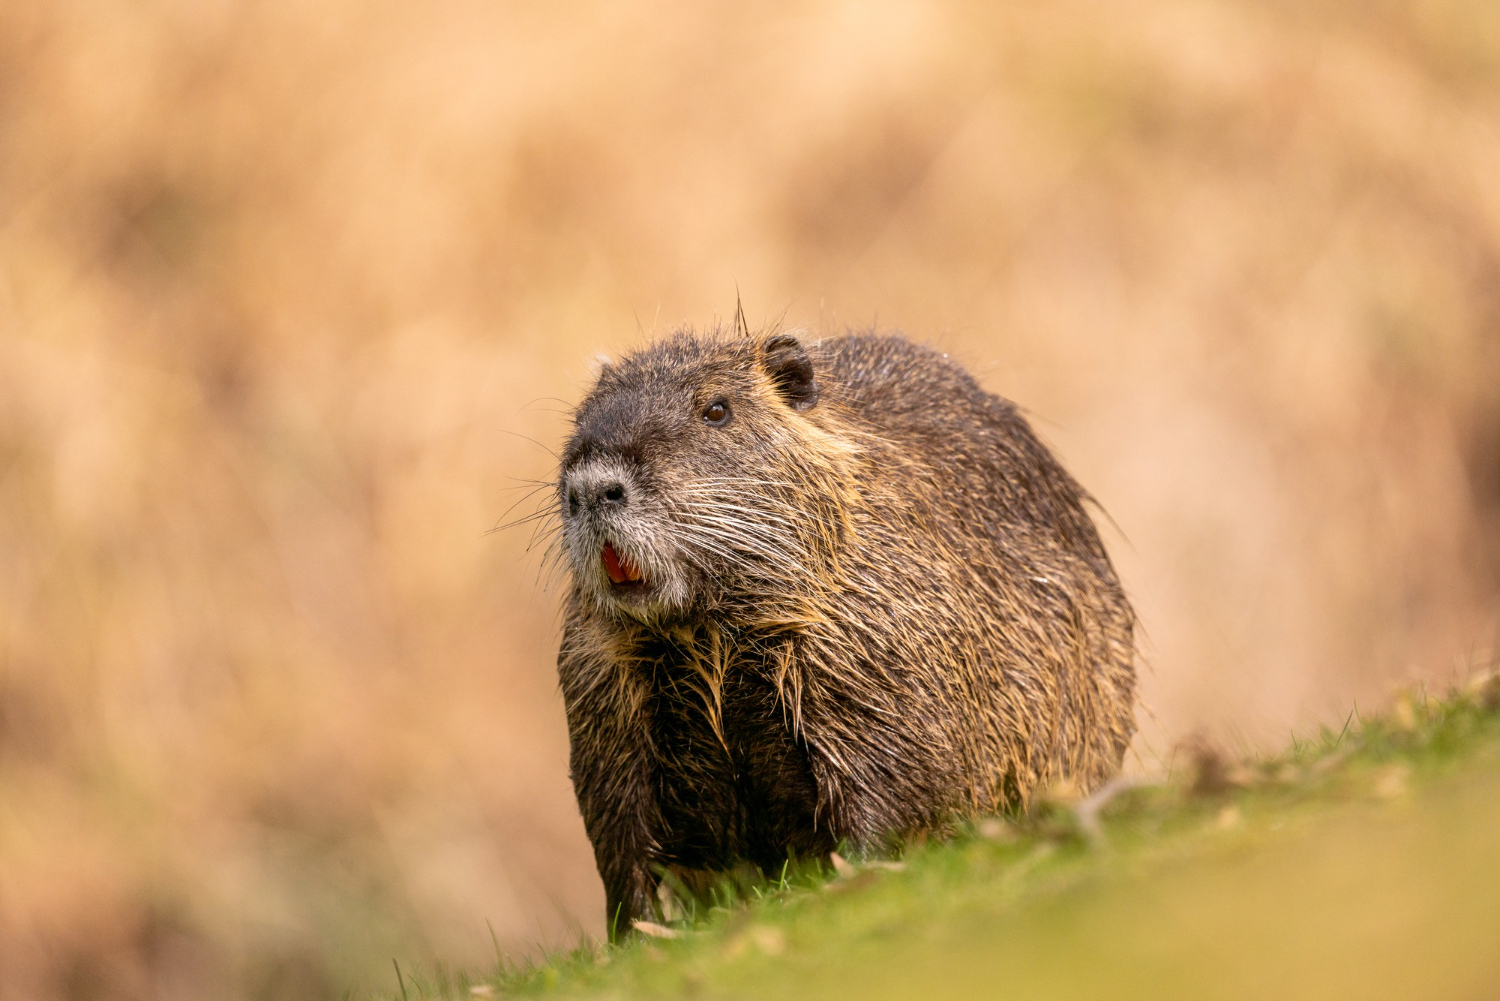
x=821, y=594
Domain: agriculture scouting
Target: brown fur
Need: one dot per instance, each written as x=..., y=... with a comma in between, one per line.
x=874, y=604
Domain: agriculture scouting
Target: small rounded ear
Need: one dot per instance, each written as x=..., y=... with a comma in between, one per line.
x=791, y=370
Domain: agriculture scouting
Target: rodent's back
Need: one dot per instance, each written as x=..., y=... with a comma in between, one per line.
x=926, y=403
x=979, y=579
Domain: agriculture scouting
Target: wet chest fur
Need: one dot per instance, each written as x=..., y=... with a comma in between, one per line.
x=732, y=781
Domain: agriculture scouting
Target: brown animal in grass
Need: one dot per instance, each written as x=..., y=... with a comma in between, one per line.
x=821, y=593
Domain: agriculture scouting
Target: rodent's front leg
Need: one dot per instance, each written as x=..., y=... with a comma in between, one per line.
x=629, y=894
x=622, y=819
x=611, y=770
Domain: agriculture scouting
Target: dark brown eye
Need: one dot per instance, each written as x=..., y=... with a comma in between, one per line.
x=716, y=412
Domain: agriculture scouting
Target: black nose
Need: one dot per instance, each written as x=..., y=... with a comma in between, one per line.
x=596, y=492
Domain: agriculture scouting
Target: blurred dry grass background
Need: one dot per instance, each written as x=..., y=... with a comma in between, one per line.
x=286, y=288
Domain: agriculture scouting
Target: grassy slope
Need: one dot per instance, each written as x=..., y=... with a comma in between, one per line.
x=1364, y=863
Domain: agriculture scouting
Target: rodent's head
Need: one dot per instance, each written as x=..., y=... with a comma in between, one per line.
x=685, y=482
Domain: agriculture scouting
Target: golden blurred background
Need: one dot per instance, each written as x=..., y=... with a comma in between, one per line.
x=294, y=296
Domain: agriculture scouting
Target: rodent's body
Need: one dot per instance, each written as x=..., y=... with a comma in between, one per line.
x=865, y=603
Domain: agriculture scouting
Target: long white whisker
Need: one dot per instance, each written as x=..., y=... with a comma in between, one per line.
x=735, y=550
x=756, y=527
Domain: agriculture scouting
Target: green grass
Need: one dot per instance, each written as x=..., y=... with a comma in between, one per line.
x=1364, y=862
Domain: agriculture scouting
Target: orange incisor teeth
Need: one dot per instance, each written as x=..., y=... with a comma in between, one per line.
x=619, y=568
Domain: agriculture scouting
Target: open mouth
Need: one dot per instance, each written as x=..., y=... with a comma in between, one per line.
x=622, y=573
